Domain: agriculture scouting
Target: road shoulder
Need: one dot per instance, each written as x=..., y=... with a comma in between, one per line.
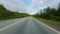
x=50, y=23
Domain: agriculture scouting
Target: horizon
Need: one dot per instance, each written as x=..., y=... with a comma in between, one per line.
x=29, y=6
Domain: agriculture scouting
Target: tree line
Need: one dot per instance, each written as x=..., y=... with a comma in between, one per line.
x=50, y=13
x=7, y=14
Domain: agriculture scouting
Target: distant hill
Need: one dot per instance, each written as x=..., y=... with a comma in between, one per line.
x=7, y=14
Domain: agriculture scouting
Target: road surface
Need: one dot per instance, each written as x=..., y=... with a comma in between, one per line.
x=28, y=25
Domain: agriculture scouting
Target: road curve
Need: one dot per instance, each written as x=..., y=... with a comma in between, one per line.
x=27, y=25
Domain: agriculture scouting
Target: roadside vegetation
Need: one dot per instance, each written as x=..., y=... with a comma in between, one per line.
x=50, y=14
x=7, y=14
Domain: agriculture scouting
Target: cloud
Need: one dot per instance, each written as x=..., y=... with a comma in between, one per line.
x=14, y=5
x=29, y=6
x=41, y=4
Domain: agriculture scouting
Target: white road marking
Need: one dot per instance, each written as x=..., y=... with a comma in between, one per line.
x=4, y=28
x=31, y=18
x=47, y=26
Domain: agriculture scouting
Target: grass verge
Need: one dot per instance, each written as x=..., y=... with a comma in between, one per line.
x=53, y=24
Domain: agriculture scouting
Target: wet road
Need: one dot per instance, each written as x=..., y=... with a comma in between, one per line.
x=28, y=25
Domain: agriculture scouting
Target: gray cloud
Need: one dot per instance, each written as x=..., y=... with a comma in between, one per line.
x=31, y=6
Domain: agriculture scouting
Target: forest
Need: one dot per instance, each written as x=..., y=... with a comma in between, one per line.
x=49, y=13
x=7, y=14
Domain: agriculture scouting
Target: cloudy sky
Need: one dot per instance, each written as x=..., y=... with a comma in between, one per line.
x=29, y=6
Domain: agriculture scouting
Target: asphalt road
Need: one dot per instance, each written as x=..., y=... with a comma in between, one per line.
x=28, y=25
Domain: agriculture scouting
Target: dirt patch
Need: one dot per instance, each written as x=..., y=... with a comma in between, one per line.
x=53, y=24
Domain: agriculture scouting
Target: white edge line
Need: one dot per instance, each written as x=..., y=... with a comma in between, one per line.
x=47, y=26
x=4, y=28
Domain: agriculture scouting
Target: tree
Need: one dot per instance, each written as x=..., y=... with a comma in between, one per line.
x=6, y=14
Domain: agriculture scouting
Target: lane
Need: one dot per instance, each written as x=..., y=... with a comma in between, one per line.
x=34, y=28
x=16, y=29
x=29, y=26
x=8, y=22
x=47, y=28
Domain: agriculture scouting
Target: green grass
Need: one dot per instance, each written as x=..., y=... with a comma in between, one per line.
x=7, y=18
x=50, y=21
